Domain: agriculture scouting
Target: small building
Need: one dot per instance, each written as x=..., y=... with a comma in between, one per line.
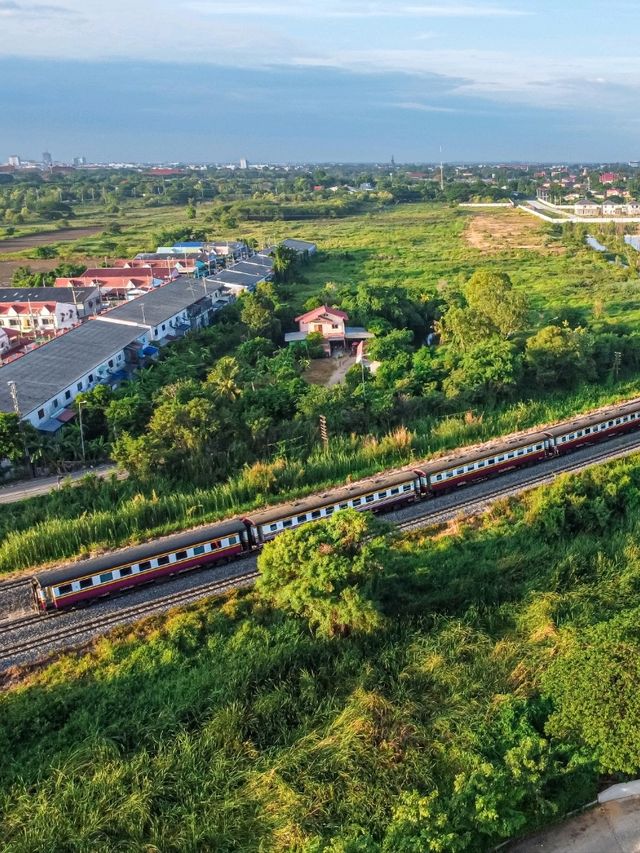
x=301, y=247
x=114, y=282
x=331, y=324
x=586, y=207
x=633, y=208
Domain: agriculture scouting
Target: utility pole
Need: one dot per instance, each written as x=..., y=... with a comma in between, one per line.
x=324, y=432
x=16, y=408
x=84, y=456
x=617, y=360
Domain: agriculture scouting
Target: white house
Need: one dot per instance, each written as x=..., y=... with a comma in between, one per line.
x=586, y=207
x=5, y=343
x=46, y=310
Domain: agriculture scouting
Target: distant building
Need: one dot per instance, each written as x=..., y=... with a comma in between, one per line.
x=302, y=247
x=244, y=164
x=331, y=324
x=79, y=161
x=609, y=177
x=14, y=161
x=47, y=159
x=586, y=207
x=114, y=282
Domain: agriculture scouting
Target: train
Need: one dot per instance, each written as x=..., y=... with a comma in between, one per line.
x=82, y=581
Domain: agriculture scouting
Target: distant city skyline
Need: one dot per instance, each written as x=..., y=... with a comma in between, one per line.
x=351, y=80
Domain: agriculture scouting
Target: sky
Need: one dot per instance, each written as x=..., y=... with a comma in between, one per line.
x=320, y=80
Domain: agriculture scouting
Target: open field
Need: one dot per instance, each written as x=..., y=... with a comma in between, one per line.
x=45, y=238
x=492, y=233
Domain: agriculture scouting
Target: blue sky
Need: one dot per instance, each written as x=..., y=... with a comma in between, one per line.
x=352, y=80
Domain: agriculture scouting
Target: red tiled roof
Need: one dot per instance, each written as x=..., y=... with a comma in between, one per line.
x=318, y=312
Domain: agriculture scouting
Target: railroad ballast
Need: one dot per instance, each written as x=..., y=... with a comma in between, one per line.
x=84, y=580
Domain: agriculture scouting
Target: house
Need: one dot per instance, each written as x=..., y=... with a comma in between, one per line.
x=609, y=177
x=613, y=208
x=586, y=207
x=301, y=247
x=633, y=208
x=331, y=324
x=34, y=311
x=114, y=282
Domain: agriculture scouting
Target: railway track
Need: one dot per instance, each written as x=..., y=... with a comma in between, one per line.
x=125, y=615
x=7, y=586
x=431, y=514
x=538, y=478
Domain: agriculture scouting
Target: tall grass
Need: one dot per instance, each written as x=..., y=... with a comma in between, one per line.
x=78, y=522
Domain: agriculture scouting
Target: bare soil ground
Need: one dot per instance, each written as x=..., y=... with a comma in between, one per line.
x=7, y=267
x=329, y=371
x=497, y=232
x=44, y=238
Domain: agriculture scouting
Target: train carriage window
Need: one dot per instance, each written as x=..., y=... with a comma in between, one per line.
x=369, y=499
x=85, y=583
x=357, y=501
x=233, y=540
x=65, y=589
x=125, y=571
x=587, y=431
x=106, y=577
x=460, y=471
x=181, y=555
x=164, y=560
x=407, y=487
x=344, y=506
x=144, y=566
x=382, y=495
x=330, y=510
x=449, y=474
x=491, y=462
x=316, y=514
x=617, y=420
x=521, y=451
x=610, y=423
x=288, y=522
x=199, y=549
x=273, y=527
x=301, y=519
x=396, y=490
x=482, y=463
x=500, y=458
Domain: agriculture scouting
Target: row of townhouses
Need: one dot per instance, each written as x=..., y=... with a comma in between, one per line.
x=106, y=346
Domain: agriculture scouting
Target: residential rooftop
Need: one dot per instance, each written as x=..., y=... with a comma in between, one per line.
x=71, y=295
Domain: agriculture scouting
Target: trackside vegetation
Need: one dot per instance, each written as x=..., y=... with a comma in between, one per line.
x=468, y=688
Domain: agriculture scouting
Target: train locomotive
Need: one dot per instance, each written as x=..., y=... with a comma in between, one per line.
x=79, y=582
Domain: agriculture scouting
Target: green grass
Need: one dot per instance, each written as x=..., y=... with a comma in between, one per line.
x=230, y=727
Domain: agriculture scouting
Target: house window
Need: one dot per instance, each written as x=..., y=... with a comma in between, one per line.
x=67, y=395
x=55, y=403
x=79, y=386
x=110, y=362
x=91, y=377
x=40, y=414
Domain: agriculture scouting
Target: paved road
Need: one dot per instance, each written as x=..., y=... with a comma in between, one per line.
x=613, y=827
x=43, y=485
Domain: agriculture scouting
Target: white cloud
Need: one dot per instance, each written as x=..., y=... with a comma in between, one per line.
x=12, y=9
x=355, y=10
x=425, y=108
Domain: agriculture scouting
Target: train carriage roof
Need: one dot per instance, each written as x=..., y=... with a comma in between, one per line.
x=136, y=553
x=331, y=496
x=481, y=451
x=604, y=414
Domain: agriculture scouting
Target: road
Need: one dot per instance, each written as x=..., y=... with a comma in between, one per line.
x=43, y=485
x=26, y=638
x=613, y=827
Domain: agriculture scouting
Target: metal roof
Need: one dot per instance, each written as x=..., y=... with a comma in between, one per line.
x=46, y=294
x=331, y=496
x=299, y=245
x=161, y=304
x=251, y=267
x=134, y=554
x=44, y=372
x=245, y=278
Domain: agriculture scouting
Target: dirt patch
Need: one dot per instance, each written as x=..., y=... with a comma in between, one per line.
x=44, y=238
x=329, y=371
x=496, y=232
x=7, y=267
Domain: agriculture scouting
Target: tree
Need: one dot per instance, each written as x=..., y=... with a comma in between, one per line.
x=489, y=370
x=558, y=356
x=11, y=446
x=284, y=263
x=593, y=684
x=327, y=573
